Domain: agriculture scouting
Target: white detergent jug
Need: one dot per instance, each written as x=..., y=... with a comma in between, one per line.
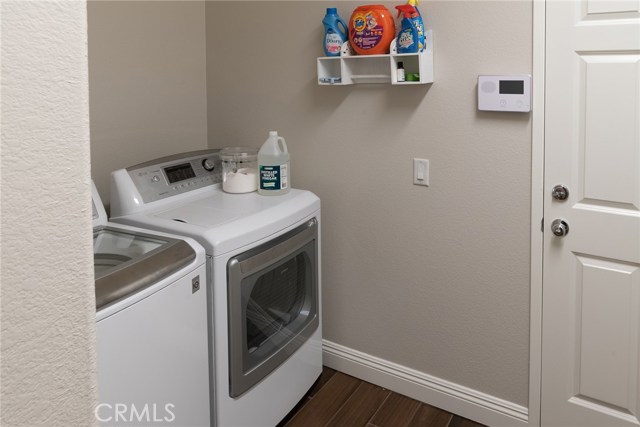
x=273, y=166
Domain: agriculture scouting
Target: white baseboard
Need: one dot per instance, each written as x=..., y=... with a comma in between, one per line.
x=451, y=397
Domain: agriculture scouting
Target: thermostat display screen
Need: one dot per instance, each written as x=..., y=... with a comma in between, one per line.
x=505, y=92
x=512, y=87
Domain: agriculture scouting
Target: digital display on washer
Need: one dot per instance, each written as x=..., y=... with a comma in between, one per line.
x=179, y=173
x=512, y=87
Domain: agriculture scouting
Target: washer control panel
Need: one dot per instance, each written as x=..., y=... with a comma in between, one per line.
x=505, y=93
x=169, y=176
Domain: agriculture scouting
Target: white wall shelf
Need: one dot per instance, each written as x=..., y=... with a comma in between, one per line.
x=348, y=69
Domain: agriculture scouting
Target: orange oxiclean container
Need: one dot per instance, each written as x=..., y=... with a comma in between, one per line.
x=371, y=29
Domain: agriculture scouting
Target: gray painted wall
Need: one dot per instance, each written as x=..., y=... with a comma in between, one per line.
x=147, y=75
x=436, y=279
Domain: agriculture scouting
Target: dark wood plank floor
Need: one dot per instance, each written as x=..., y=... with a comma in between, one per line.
x=339, y=400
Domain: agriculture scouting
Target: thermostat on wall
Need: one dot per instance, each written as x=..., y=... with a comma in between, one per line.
x=505, y=93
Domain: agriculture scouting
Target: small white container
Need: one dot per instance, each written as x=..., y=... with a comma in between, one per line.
x=239, y=169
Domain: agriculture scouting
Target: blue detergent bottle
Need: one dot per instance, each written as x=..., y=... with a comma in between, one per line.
x=334, y=36
x=419, y=24
x=408, y=40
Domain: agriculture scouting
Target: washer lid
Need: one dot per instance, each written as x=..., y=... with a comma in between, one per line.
x=99, y=214
x=126, y=261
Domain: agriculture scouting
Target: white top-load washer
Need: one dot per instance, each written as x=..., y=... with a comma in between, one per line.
x=151, y=326
x=263, y=258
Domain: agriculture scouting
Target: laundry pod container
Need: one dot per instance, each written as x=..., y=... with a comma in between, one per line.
x=371, y=29
x=239, y=169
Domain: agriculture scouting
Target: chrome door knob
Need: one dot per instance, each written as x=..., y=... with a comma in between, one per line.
x=560, y=192
x=559, y=227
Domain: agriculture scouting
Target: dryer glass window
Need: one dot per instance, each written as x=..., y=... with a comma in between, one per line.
x=275, y=309
x=273, y=305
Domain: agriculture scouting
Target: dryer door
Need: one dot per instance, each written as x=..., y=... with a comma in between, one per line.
x=273, y=304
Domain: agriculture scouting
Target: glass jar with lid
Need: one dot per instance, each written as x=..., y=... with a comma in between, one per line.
x=239, y=169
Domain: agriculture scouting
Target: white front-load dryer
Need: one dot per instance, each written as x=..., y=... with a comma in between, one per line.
x=263, y=258
x=151, y=327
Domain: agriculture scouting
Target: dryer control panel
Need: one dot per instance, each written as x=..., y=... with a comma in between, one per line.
x=169, y=176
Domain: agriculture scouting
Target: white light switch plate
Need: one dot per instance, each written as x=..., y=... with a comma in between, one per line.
x=421, y=172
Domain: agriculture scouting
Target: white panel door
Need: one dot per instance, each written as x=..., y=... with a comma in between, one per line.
x=591, y=276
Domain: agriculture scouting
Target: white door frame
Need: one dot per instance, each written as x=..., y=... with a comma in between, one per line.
x=537, y=209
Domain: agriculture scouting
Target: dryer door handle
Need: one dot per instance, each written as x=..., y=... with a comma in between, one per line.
x=279, y=248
